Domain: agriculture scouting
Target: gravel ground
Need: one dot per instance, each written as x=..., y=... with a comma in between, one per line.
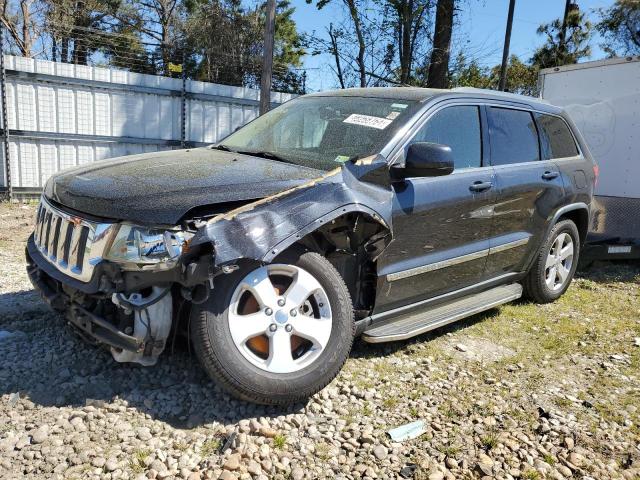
x=525, y=391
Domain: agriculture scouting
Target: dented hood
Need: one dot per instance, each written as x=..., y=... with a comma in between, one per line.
x=160, y=188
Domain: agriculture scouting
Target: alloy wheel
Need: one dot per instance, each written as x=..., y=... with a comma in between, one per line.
x=280, y=318
x=559, y=262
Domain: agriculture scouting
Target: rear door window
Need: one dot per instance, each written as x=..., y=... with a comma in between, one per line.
x=459, y=128
x=555, y=138
x=514, y=137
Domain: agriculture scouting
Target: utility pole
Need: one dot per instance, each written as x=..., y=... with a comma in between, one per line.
x=267, y=62
x=505, y=50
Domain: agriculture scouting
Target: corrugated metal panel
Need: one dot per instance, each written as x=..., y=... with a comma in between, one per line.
x=149, y=112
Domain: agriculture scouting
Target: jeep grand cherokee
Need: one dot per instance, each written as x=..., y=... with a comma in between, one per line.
x=380, y=213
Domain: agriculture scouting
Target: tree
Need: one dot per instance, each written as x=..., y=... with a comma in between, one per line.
x=439, y=65
x=225, y=44
x=554, y=52
x=160, y=22
x=410, y=23
x=521, y=78
x=469, y=74
x=357, y=20
x=357, y=44
x=82, y=27
x=619, y=25
x=23, y=24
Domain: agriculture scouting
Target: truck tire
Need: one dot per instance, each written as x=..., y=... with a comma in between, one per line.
x=554, y=265
x=296, y=334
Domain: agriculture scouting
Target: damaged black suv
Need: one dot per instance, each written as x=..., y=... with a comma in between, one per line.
x=380, y=213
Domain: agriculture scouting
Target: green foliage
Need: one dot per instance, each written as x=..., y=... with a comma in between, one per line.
x=555, y=52
x=619, y=25
x=225, y=41
x=279, y=441
x=521, y=77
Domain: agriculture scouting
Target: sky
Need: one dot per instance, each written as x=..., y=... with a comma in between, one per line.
x=482, y=21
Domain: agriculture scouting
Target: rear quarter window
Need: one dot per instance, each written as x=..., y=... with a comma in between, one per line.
x=514, y=136
x=556, y=138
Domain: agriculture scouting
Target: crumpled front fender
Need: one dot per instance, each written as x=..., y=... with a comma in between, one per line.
x=262, y=229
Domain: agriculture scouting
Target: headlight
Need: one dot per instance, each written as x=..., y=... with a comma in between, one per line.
x=146, y=246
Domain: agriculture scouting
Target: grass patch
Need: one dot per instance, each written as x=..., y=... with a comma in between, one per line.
x=449, y=450
x=531, y=475
x=137, y=462
x=210, y=447
x=390, y=402
x=489, y=440
x=279, y=441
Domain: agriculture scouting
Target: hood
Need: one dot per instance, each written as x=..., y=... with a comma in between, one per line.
x=160, y=188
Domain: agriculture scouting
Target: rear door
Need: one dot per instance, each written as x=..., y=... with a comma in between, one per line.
x=442, y=224
x=529, y=189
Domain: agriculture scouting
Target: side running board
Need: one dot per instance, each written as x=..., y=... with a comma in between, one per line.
x=417, y=322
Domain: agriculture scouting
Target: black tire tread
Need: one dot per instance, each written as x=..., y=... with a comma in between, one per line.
x=533, y=285
x=217, y=370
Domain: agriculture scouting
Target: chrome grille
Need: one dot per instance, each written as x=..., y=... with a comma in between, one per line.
x=72, y=244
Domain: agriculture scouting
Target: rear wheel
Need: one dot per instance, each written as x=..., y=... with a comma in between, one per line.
x=277, y=333
x=555, y=264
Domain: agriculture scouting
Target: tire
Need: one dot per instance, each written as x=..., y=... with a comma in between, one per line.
x=538, y=284
x=250, y=369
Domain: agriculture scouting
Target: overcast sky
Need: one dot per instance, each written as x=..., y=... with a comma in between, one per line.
x=482, y=21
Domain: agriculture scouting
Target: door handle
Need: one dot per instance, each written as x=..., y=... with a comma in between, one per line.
x=480, y=186
x=550, y=175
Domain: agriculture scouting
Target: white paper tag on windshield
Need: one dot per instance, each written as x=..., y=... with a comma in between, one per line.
x=368, y=121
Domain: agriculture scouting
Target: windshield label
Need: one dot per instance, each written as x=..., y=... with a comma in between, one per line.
x=368, y=121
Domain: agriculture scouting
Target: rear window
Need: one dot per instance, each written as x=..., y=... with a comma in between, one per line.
x=514, y=137
x=556, y=138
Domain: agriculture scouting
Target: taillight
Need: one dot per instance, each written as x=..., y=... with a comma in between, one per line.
x=596, y=174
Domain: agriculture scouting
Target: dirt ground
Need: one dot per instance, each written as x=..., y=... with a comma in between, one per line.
x=524, y=391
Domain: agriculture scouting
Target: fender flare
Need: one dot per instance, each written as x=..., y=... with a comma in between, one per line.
x=324, y=219
x=566, y=209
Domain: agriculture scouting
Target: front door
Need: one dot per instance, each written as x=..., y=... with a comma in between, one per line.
x=442, y=225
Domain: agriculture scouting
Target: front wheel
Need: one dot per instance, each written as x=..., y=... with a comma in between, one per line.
x=554, y=265
x=277, y=333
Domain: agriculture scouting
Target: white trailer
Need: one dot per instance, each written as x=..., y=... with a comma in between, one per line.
x=603, y=98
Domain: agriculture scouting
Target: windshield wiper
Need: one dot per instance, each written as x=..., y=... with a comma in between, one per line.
x=265, y=154
x=223, y=148
x=261, y=154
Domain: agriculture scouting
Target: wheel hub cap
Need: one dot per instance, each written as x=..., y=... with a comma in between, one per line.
x=282, y=317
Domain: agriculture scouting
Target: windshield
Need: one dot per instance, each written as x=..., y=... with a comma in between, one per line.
x=322, y=132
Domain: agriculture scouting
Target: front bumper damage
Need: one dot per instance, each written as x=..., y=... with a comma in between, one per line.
x=134, y=324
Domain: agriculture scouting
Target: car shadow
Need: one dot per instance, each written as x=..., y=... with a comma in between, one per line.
x=610, y=271
x=43, y=361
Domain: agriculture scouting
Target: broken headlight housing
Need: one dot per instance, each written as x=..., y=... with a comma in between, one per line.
x=142, y=245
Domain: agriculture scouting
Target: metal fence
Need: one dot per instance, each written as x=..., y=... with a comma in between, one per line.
x=61, y=115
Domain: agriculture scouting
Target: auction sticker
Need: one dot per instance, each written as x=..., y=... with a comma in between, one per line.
x=368, y=121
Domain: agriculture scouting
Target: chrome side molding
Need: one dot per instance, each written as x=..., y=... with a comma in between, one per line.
x=430, y=267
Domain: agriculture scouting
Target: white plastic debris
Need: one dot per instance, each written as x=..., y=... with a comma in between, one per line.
x=407, y=432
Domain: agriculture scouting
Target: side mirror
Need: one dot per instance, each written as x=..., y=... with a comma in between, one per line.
x=426, y=160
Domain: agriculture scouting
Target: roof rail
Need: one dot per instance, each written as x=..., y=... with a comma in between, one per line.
x=499, y=93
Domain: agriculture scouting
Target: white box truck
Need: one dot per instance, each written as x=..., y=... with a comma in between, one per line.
x=603, y=98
